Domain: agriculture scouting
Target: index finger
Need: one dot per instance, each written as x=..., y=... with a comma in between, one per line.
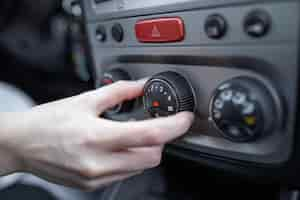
x=111, y=95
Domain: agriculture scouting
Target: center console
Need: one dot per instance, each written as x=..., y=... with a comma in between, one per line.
x=233, y=63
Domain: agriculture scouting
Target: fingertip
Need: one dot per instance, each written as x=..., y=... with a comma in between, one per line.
x=143, y=81
x=189, y=116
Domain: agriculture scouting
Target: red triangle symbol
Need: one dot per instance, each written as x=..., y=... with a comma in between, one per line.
x=155, y=32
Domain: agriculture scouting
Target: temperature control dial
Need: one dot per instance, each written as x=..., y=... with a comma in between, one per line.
x=243, y=109
x=113, y=76
x=168, y=93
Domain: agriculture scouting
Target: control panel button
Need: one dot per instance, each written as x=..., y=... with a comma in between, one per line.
x=117, y=32
x=160, y=30
x=257, y=23
x=101, y=34
x=111, y=77
x=168, y=93
x=215, y=26
x=243, y=109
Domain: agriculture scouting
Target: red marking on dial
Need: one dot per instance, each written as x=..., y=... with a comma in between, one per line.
x=155, y=104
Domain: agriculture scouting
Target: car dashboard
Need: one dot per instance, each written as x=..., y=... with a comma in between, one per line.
x=233, y=63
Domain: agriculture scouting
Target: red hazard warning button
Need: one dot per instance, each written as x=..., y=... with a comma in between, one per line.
x=160, y=30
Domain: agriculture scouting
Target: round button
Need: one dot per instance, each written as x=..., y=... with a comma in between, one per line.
x=101, y=34
x=243, y=109
x=168, y=93
x=215, y=26
x=257, y=23
x=117, y=32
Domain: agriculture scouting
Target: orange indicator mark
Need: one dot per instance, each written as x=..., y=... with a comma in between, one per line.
x=155, y=104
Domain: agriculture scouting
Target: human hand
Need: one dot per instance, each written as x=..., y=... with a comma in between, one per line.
x=67, y=143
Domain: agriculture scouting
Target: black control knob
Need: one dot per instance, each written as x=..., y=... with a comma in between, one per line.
x=113, y=76
x=117, y=32
x=243, y=109
x=168, y=93
x=257, y=23
x=215, y=26
x=101, y=34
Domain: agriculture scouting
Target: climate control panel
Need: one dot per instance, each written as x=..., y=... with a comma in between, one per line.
x=242, y=109
x=236, y=67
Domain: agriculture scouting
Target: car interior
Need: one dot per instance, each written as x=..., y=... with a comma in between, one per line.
x=234, y=63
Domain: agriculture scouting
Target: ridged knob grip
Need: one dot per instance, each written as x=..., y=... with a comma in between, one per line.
x=168, y=93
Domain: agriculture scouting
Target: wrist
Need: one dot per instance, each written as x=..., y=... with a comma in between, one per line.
x=10, y=160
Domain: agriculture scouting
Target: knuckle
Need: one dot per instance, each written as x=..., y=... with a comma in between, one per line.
x=122, y=88
x=122, y=83
x=86, y=97
x=89, y=139
x=85, y=100
x=88, y=172
x=154, y=136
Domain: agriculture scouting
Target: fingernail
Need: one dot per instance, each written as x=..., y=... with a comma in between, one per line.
x=143, y=80
x=190, y=115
